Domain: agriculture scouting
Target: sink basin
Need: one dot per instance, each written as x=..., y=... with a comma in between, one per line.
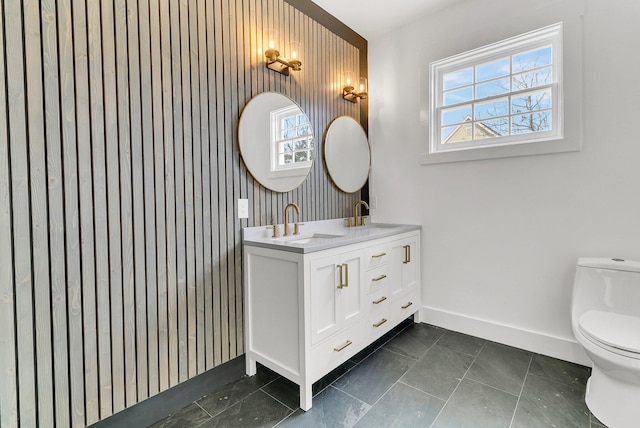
x=379, y=226
x=315, y=238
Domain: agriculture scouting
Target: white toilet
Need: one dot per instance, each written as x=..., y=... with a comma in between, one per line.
x=605, y=316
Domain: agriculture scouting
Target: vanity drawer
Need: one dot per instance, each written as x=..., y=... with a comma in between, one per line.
x=405, y=305
x=376, y=280
x=379, y=319
x=376, y=256
x=337, y=349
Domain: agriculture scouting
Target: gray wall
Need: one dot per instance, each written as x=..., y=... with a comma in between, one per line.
x=120, y=256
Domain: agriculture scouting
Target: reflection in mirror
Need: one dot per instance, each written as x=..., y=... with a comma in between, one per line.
x=276, y=141
x=347, y=154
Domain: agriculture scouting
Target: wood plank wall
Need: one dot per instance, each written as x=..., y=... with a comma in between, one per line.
x=120, y=247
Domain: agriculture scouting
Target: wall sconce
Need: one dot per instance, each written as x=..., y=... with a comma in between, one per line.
x=282, y=65
x=349, y=92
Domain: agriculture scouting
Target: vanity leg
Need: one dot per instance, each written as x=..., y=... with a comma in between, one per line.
x=416, y=317
x=305, y=396
x=250, y=365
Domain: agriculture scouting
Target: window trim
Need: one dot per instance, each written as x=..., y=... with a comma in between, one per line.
x=295, y=168
x=513, y=145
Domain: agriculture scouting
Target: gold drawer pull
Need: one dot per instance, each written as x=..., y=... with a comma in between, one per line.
x=343, y=346
x=378, y=255
x=379, y=323
x=380, y=278
x=380, y=300
x=407, y=305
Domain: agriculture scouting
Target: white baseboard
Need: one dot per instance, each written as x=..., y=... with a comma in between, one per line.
x=542, y=343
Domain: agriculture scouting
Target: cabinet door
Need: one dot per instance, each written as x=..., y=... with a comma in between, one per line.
x=325, y=311
x=336, y=297
x=404, y=265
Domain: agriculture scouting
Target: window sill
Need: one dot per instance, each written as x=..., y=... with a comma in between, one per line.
x=527, y=149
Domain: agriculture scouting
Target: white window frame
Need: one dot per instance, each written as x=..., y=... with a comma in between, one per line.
x=294, y=168
x=513, y=145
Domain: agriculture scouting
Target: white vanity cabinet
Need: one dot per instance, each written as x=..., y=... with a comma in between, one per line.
x=308, y=311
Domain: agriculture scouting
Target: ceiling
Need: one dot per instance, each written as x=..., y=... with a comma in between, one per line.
x=369, y=18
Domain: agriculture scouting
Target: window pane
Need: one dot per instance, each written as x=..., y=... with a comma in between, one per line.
x=490, y=89
x=288, y=133
x=304, y=130
x=311, y=154
x=532, y=59
x=289, y=122
x=310, y=142
x=288, y=158
x=534, y=122
x=301, y=156
x=531, y=102
x=492, y=109
x=532, y=79
x=458, y=96
x=302, y=119
x=300, y=144
x=455, y=115
x=287, y=147
x=457, y=79
x=456, y=134
x=492, y=70
x=492, y=128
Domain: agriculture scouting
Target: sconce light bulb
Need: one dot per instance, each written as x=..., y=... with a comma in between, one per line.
x=271, y=44
x=348, y=82
x=294, y=55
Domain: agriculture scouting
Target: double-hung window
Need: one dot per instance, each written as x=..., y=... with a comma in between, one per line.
x=292, y=141
x=502, y=94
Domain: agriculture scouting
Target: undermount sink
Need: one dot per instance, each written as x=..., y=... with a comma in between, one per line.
x=379, y=226
x=315, y=238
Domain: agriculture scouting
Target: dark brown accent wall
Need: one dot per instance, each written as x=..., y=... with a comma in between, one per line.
x=120, y=247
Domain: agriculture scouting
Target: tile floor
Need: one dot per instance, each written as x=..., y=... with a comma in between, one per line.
x=417, y=375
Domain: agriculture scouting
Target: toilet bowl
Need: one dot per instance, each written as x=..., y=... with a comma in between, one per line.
x=605, y=317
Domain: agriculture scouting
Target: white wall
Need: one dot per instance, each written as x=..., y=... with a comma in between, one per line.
x=501, y=236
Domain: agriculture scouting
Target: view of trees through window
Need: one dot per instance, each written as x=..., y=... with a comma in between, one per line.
x=507, y=96
x=293, y=139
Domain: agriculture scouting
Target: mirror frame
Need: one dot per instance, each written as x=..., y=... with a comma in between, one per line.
x=251, y=119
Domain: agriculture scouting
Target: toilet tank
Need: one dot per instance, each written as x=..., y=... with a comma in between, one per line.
x=611, y=285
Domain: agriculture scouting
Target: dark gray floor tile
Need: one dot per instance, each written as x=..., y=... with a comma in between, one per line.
x=288, y=392
x=438, y=372
x=285, y=391
x=559, y=371
x=190, y=416
x=336, y=373
x=331, y=408
x=374, y=376
x=461, y=342
x=403, y=407
x=233, y=392
x=545, y=403
x=476, y=405
x=415, y=340
x=255, y=410
x=501, y=366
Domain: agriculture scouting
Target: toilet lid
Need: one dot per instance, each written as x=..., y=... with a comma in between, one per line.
x=615, y=330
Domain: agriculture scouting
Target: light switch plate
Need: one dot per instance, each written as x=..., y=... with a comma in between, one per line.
x=243, y=208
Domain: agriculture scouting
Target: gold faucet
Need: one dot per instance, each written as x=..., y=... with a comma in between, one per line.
x=356, y=216
x=286, y=218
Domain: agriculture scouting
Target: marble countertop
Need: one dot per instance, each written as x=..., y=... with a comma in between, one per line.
x=321, y=235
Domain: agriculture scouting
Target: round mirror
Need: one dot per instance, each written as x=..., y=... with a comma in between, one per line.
x=276, y=141
x=347, y=155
